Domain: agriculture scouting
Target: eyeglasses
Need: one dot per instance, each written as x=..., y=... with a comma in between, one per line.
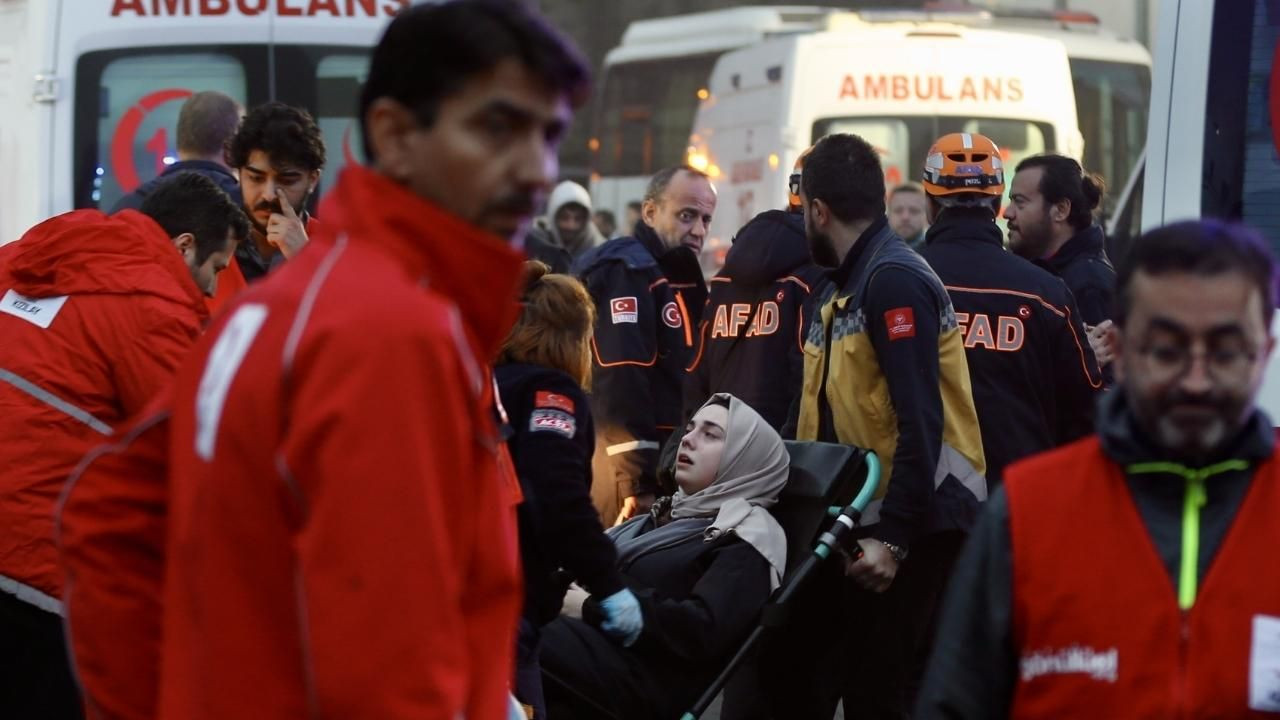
x=1169, y=361
x=794, y=184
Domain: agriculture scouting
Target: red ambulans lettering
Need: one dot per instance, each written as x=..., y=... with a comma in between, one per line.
x=731, y=319
x=250, y=8
x=931, y=87
x=1007, y=334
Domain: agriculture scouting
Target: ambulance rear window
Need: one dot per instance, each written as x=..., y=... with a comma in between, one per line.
x=903, y=142
x=127, y=104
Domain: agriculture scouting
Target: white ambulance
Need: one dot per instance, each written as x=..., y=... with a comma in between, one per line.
x=900, y=85
x=90, y=89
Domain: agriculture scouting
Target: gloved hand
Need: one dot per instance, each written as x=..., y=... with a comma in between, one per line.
x=623, y=619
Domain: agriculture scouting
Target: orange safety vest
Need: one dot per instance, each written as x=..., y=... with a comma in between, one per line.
x=1097, y=624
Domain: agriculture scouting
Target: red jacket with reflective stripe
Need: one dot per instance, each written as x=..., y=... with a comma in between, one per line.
x=1096, y=620
x=325, y=499
x=95, y=313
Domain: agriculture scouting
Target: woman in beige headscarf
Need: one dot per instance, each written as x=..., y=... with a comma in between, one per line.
x=702, y=564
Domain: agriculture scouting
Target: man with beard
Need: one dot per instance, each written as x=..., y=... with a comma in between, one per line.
x=649, y=291
x=1086, y=583
x=884, y=369
x=566, y=231
x=1050, y=215
x=279, y=154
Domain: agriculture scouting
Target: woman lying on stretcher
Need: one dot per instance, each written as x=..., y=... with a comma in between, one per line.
x=702, y=564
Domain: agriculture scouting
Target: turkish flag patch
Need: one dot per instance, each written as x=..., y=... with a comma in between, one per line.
x=555, y=401
x=900, y=322
x=624, y=309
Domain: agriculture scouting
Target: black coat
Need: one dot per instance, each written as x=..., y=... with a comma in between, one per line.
x=215, y=172
x=551, y=445
x=648, y=300
x=756, y=319
x=699, y=600
x=1083, y=265
x=1034, y=376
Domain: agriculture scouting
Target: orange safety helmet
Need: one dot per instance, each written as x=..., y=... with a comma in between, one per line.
x=793, y=182
x=964, y=163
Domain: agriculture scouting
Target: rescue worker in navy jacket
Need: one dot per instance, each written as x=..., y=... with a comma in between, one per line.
x=753, y=328
x=1050, y=214
x=1033, y=373
x=648, y=290
x=1108, y=572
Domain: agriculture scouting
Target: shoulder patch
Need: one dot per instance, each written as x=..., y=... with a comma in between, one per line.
x=556, y=421
x=900, y=322
x=624, y=309
x=555, y=401
x=671, y=316
x=37, y=311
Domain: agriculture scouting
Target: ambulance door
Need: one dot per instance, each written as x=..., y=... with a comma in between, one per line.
x=320, y=63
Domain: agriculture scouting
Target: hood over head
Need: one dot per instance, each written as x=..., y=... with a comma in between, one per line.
x=768, y=247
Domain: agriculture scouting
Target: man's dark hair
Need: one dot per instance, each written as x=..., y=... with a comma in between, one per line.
x=661, y=180
x=1204, y=248
x=843, y=170
x=206, y=122
x=285, y=133
x=607, y=216
x=908, y=187
x=1062, y=178
x=635, y=205
x=189, y=202
x=429, y=52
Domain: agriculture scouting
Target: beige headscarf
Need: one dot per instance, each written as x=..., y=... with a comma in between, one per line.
x=753, y=471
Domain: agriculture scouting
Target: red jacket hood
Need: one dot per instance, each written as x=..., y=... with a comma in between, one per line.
x=475, y=269
x=85, y=251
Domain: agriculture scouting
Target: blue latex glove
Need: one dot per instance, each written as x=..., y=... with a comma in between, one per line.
x=623, y=619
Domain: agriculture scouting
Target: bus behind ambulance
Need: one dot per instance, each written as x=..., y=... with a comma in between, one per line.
x=898, y=85
x=90, y=89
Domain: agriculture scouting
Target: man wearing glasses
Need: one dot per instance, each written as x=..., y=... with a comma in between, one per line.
x=1109, y=572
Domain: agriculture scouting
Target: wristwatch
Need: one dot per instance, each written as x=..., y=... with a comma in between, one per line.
x=899, y=553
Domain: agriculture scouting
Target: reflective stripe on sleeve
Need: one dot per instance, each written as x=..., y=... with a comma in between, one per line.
x=631, y=446
x=54, y=401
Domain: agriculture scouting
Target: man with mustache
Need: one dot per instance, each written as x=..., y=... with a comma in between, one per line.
x=649, y=292
x=319, y=521
x=1108, y=571
x=279, y=154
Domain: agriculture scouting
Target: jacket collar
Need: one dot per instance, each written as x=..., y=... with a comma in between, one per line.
x=954, y=226
x=478, y=271
x=1089, y=242
x=1127, y=444
x=862, y=252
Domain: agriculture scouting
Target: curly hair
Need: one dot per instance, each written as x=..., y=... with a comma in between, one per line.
x=285, y=133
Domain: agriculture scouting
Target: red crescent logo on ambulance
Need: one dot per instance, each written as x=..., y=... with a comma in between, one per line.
x=671, y=315
x=122, y=140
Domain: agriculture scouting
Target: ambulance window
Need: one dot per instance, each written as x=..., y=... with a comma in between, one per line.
x=338, y=82
x=646, y=113
x=903, y=142
x=1241, y=143
x=126, y=114
x=1111, y=105
x=326, y=80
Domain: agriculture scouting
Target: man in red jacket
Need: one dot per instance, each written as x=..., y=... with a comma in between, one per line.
x=321, y=521
x=1126, y=575
x=95, y=313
